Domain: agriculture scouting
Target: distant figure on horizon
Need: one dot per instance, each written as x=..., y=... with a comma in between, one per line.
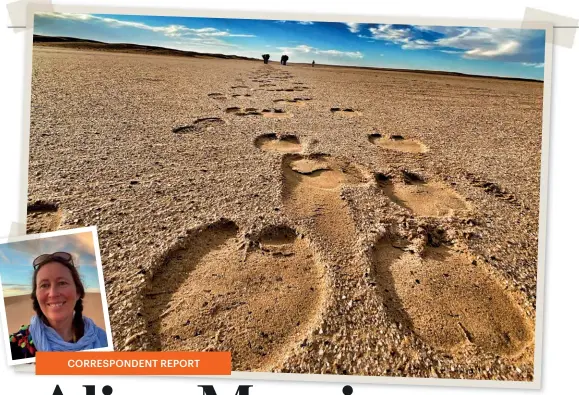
x=313, y=63
x=284, y=60
x=265, y=58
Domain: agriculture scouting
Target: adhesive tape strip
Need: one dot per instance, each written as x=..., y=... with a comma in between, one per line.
x=18, y=13
x=565, y=27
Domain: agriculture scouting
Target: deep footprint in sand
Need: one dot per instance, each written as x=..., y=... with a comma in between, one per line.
x=429, y=199
x=43, y=217
x=493, y=189
x=298, y=101
x=311, y=190
x=217, y=96
x=273, y=142
x=200, y=125
x=215, y=293
x=275, y=113
x=349, y=112
x=266, y=113
x=243, y=112
x=447, y=299
x=397, y=143
x=232, y=109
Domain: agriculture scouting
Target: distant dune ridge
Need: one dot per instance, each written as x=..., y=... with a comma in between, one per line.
x=19, y=310
x=82, y=43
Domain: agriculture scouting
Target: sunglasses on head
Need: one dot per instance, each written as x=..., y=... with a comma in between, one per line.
x=63, y=257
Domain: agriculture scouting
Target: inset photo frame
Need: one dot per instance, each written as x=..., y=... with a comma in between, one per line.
x=328, y=197
x=53, y=294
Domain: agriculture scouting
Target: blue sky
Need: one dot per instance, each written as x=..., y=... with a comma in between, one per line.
x=16, y=261
x=472, y=50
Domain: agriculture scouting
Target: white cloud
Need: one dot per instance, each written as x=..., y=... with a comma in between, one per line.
x=169, y=31
x=63, y=15
x=201, y=45
x=333, y=52
x=297, y=49
x=387, y=33
x=353, y=27
x=306, y=49
x=298, y=22
x=537, y=65
x=507, y=48
x=471, y=43
x=417, y=44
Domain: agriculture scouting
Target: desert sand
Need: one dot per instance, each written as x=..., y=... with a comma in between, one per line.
x=19, y=310
x=309, y=220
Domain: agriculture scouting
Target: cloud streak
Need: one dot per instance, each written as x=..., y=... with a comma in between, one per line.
x=353, y=27
x=512, y=45
x=306, y=49
x=298, y=22
x=536, y=65
x=169, y=31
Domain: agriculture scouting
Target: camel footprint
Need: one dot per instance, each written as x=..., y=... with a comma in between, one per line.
x=267, y=113
x=217, y=96
x=43, y=217
x=397, y=142
x=216, y=292
x=275, y=113
x=311, y=190
x=298, y=101
x=411, y=191
x=493, y=189
x=446, y=298
x=349, y=112
x=200, y=125
x=273, y=142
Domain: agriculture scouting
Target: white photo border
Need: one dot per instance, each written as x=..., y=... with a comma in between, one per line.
x=3, y=319
x=319, y=17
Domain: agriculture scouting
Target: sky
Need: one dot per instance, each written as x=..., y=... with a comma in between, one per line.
x=516, y=53
x=16, y=261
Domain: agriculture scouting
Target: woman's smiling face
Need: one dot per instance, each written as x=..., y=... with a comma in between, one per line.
x=56, y=292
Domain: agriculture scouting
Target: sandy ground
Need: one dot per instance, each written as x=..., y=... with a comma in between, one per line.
x=19, y=310
x=310, y=220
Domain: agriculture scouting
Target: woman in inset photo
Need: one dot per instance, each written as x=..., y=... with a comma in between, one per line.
x=59, y=325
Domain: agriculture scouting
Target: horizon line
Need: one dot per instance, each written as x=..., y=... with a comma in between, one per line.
x=425, y=71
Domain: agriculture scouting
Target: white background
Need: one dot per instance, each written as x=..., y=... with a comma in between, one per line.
x=560, y=349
